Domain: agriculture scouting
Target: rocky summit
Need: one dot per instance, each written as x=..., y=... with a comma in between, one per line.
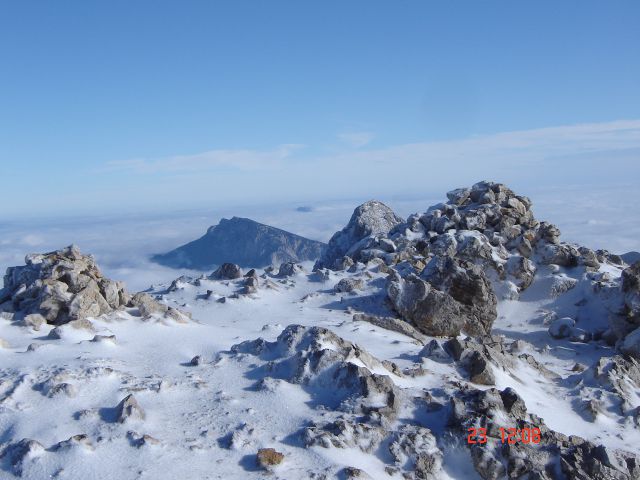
x=467, y=341
x=244, y=242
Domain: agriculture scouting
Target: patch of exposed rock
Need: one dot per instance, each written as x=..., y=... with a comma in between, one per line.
x=575, y=457
x=368, y=221
x=338, y=373
x=449, y=296
x=129, y=408
x=66, y=286
x=61, y=286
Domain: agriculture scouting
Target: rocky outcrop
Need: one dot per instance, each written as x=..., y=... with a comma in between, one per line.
x=324, y=363
x=370, y=220
x=226, y=271
x=449, y=296
x=129, y=409
x=61, y=286
x=577, y=458
x=244, y=242
x=66, y=286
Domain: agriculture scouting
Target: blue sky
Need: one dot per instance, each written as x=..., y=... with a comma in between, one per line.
x=154, y=104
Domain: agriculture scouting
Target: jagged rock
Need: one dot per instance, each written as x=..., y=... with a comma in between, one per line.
x=559, y=254
x=148, y=307
x=479, y=369
x=415, y=449
x=244, y=242
x=348, y=285
x=588, y=258
x=289, y=269
x=450, y=296
x=81, y=440
x=128, y=408
x=353, y=473
x=562, y=284
x=631, y=344
x=61, y=286
x=492, y=409
x=63, y=389
x=251, y=285
x=319, y=359
x=431, y=311
x=434, y=351
x=631, y=292
x=523, y=270
x=227, y=271
x=269, y=457
x=344, y=434
x=197, y=360
x=368, y=220
x=390, y=323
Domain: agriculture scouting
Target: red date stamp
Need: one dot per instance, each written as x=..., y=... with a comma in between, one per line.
x=507, y=435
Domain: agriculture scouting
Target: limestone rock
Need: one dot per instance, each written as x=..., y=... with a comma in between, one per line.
x=59, y=287
x=289, y=269
x=227, y=271
x=128, y=408
x=348, y=285
x=368, y=220
x=450, y=296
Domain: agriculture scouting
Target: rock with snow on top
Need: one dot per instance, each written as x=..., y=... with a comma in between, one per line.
x=368, y=220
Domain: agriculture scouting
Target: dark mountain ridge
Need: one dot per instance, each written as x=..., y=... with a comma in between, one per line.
x=244, y=242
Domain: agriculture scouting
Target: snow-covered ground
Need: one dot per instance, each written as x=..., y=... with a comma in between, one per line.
x=208, y=420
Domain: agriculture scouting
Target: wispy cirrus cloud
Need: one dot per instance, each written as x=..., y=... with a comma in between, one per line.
x=595, y=153
x=239, y=160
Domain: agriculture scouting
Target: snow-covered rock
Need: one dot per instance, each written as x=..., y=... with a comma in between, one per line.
x=370, y=219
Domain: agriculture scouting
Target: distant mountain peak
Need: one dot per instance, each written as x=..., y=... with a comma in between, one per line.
x=242, y=241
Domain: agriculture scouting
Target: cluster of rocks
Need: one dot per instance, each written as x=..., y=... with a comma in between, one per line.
x=556, y=454
x=446, y=266
x=368, y=226
x=340, y=376
x=628, y=326
x=66, y=286
x=326, y=365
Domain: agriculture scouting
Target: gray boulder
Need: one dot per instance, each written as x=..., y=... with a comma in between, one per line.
x=348, y=285
x=631, y=292
x=370, y=219
x=450, y=297
x=226, y=271
x=129, y=409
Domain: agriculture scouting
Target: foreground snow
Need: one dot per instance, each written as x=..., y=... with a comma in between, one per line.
x=209, y=420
